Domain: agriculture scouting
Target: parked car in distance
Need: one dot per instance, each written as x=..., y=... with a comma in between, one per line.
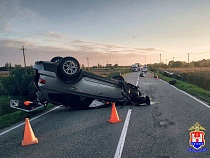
x=142, y=74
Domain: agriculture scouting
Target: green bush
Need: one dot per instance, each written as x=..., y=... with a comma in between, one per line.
x=200, y=79
x=19, y=83
x=4, y=105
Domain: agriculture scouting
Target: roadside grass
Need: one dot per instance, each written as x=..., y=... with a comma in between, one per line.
x=17, y=116
x=9, y=119
x=196, y=91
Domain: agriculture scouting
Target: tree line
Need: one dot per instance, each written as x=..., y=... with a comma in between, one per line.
x=183, y=64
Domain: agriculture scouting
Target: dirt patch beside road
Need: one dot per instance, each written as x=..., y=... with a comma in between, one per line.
x=4, y=73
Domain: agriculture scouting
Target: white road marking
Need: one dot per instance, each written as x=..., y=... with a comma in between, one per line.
x=24, y=122
x=189, y=95
x=192, y=97
x=137, y=82
x=121, y=142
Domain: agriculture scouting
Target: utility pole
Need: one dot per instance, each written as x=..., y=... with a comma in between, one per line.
x=188, y=58
x=88, y=62
x=160, y=57
x=24, y=54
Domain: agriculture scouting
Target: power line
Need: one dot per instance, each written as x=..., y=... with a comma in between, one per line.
x=201, y=53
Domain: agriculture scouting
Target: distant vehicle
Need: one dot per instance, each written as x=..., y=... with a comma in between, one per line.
x=62, y=82
x=135, y=67
x=144, y=69
x=172, y=75
x=141, y=74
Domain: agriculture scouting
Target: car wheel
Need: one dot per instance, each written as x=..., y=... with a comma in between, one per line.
x=56, y=59
x=69, y=67
x=147, y=100
x=118, y=77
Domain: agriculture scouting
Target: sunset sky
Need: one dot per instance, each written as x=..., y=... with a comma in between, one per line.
x=105, y=31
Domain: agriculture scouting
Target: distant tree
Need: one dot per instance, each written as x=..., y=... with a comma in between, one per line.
x=207, y=63
x=176, y=64
x=115, y=65
x=17, y=66
x=99, y=65
x=109, y=65
x=164, y=66
x=83, y=66
x=8, y=64
x=192, y=64
x=19, y=83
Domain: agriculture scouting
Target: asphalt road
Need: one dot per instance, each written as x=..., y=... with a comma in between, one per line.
x=156, y=131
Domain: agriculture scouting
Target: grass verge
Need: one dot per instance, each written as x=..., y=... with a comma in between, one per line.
x=196, y=91
x=17, y=116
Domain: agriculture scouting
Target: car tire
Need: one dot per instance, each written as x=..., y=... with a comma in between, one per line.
x=69, y=67
x=56, y=59
x=148, y=100
x=118, y=77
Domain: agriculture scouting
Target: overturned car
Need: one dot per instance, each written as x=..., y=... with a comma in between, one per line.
x=62, y=82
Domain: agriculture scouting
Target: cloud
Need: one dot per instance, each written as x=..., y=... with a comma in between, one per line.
x=96, y=52
x=52, y=34
x=104, y=48
x=149, y=49
x=16, y=17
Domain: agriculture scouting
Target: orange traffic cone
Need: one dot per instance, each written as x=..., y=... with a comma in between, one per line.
x=29, y=137
x=114, y=116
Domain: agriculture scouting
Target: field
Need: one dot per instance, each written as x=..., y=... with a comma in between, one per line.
x=108, y=72
x=188, y=70
x=196, y=76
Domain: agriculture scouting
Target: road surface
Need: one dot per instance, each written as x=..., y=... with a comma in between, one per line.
x=156, y=131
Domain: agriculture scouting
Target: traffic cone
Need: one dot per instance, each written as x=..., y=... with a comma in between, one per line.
x=29, y=137
x=114, y=116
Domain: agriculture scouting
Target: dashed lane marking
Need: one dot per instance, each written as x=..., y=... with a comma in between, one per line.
x=121, y=142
